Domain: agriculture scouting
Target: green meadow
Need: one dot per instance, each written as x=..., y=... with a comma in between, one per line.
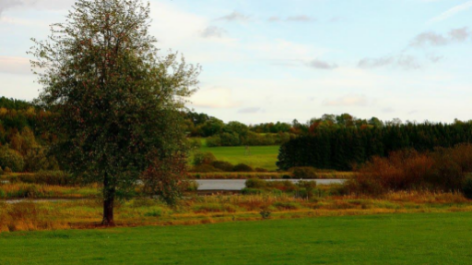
x=255, y=156
x=379, y=239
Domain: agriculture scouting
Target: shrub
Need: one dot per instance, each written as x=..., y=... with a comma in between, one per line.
x=7, y=170
x=223, y=165
x=251, y=191
x=265, y=214
x=287, y=205
x=1, y=171
x=203, y=158
x=11, y=159
x=307, y=189
x=195, y=143
x=467, y=187
x=189, y=185
x=214, y=141
x=444, y=169
x=242, y=168
x=256, y=184
x=304, y=173
x=258, y=169
x=58, y=178
x=154, y=213
x=205, y=169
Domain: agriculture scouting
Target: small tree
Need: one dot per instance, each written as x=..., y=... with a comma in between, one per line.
x=115, y=99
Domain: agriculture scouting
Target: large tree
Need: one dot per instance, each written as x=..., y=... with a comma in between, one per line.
x=115, y=98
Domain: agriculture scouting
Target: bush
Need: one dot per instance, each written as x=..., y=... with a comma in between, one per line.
x=190, y=185
x=307, y=189
x=214, y=141
x=7, y=170
x=444, y=169
x=242, y=168
x=304, y=173
x=250, y=191
x=58, y=178
x=11, y=159
x=1, y=171
x=256, y=184
x=223, y=165
x=205, y=169
x=261, y=170
x=467, y=187
x=203, y=158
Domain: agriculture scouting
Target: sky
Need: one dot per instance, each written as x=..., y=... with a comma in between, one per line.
x=279, y=60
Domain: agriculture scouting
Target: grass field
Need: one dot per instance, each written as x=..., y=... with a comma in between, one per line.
x=380, y=239
x=258, y=156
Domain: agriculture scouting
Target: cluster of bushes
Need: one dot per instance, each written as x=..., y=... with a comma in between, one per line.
x=58, y=178
x=206, y=162
x=444, y=169
x=302, y=189
x=11, y=160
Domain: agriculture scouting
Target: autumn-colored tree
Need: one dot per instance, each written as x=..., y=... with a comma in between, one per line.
x=115, y=98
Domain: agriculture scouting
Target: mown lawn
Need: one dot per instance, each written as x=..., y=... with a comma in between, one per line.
x=380, y=239
x=258, y=156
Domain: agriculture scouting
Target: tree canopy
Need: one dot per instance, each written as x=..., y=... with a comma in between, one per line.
x=115, y=97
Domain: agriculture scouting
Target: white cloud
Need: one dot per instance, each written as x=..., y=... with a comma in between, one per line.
x=213, y=31
x=235, y=16
x=403, y=61
x=452, y=12
x=318, y=64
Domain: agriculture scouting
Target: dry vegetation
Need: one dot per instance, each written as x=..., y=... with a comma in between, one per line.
x=79, y=214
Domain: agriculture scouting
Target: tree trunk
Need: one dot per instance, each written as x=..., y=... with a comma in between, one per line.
x=108, y=203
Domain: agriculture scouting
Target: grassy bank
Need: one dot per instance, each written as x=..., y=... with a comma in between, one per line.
x=256, y=156
x=381, y=239
x=52, y=215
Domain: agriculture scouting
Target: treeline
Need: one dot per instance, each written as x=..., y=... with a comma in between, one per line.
x=235, y=133
x=344, y=148
x=23, y=147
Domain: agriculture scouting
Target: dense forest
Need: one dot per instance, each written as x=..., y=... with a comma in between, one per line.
x=343, y=148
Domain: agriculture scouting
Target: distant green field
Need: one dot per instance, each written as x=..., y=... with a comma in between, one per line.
x=257, y=156
x=380, y=239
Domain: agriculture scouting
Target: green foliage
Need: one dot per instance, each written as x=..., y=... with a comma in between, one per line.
x=307, y=189
x=206, y=158
x=256, y=184
x=11, y=159
x=304, y=173
x=265, y=214
x=345, y=147
x=213, y=141
x=58, y=178
x=205, y=168
x=242, y=168
x=223, y=165
x=121, y=111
